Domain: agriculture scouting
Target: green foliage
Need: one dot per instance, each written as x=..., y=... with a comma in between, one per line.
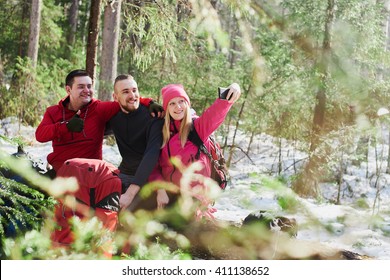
x=148, y=33
x=380, y=223
x=33, y=90
x=91, y=240
x=23, y=98
x=288, y=203
x=282, y=179
x=51, y=39
x=287, y=199
x=23, y=205
x=26, y=91
x=335, y=228
x=302, y=20
x=22, y=208
x=157, y=251
x=357, y=45
x=358, y=245
x=14, y=28
x=31, y=246
x=362, y=203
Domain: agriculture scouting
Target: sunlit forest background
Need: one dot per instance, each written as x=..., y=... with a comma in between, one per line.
x=313, y=72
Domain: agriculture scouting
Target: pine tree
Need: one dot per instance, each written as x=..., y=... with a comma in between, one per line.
x=22, y=207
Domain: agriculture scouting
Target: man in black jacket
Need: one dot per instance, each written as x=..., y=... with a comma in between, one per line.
x=139, y=138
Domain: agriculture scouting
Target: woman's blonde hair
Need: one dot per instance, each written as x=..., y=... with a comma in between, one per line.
x=184, y=129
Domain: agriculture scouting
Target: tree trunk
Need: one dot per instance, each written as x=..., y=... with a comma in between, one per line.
x=234, y=31
x=361, y=152
x=388, y=158
x=246, y=92
x=307, y=183
x=253, y=134
x=183, y=10
x=73, y=18
x=387, y=48
x=35, y=23
x=1, y=71
x=22, y=35
x=226, y=132
x=280, y=156
x=109, y=58
x=93, y=36
x=234, y=135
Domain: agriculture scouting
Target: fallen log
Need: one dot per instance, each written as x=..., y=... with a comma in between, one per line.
x=216, y=240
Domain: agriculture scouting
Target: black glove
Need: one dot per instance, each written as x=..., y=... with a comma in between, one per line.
x=155, y=108
x=75, y=124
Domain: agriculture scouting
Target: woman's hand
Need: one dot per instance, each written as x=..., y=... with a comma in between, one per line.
x=234, y=93
x=162, y=198
x=207, y=214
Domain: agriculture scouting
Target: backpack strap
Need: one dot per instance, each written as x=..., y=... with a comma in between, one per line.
x=193, y=136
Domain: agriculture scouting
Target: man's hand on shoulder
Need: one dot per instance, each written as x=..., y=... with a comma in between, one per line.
x=156, y=110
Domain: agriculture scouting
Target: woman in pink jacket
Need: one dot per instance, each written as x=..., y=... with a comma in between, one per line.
x=178, y=123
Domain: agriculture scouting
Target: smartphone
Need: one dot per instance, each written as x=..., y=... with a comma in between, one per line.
x=222, y=92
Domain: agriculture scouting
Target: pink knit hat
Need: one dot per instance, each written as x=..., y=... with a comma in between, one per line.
x=171, y=91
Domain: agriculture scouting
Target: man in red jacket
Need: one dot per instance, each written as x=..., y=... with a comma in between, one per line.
x=77, y=123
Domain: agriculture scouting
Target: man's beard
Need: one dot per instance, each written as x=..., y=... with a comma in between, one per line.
x=130, y=108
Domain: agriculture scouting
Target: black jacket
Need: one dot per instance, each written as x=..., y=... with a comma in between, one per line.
x=139, y=139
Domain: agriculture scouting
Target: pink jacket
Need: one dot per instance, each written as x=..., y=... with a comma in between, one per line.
x=205, y=125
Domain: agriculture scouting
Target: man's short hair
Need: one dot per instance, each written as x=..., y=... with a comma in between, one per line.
x=123, y=77
x=75, y=73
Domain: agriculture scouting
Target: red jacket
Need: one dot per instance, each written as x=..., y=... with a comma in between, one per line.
x=205, y=125
x=85, y=144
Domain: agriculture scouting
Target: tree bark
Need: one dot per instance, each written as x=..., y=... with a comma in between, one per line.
x=93, y=36
x=73, y=18
x=183, y=10
x=35, y=23
x=1, y=71
x=109, y=58
x=25, y=16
